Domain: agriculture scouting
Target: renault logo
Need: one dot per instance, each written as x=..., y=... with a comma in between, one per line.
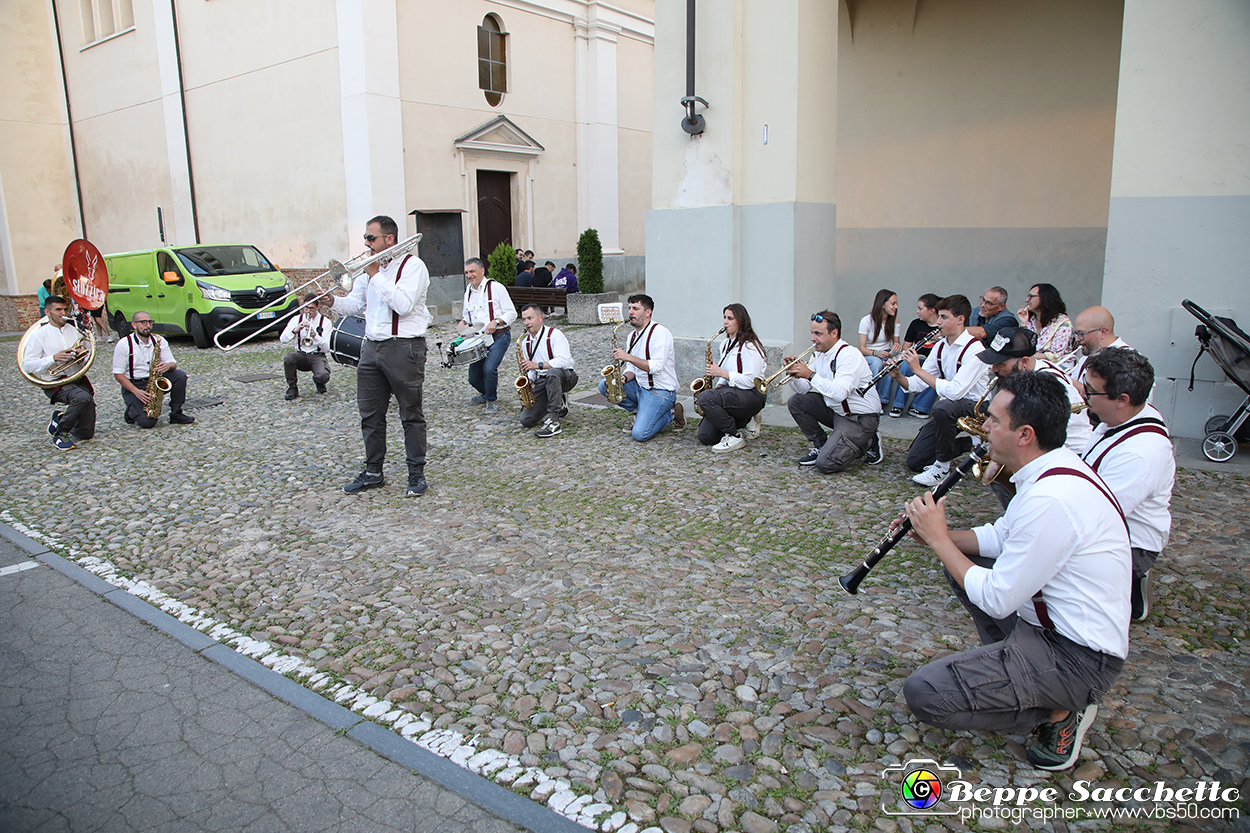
x=260, y=292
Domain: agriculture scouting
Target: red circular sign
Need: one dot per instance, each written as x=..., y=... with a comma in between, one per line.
x=86, y=276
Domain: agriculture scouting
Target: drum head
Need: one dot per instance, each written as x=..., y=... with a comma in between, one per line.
x=347, y=339
x=86, y=276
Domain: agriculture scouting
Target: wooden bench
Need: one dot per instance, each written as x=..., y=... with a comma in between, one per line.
x=545, y=297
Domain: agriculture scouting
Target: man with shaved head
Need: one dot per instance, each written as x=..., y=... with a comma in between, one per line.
x=1093, y=330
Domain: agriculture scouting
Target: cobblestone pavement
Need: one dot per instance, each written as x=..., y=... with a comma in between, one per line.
x=106, y=724
x=641, y=636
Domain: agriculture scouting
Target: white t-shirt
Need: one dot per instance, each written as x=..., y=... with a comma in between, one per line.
x=882, y=343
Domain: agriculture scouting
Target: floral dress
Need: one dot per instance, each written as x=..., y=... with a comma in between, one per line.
x=1055, y=337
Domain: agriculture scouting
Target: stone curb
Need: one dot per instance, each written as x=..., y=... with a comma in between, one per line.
x=471, y=787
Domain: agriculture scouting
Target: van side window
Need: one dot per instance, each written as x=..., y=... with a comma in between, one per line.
x=165, y=263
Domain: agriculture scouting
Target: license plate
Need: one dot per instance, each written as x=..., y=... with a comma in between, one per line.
x=266, y=315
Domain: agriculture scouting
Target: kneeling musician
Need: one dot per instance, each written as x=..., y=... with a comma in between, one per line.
x=310, y=331
x=731, y=405
x=547, y=362
x=158, y=374
x=53, y=351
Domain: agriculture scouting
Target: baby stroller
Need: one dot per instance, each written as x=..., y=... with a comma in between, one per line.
x=1230, y=348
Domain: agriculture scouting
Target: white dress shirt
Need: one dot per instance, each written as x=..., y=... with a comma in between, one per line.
x=1063, y=535
x=1139, y=466
x=132, y=357
x=960, y=374
x=488, y=302
x=318, y=326
x=835, y=376
x=550, y=347
x=1079, y=428
x=745, y=364
x=654, y=344
x=393, y=300
x=44, y=344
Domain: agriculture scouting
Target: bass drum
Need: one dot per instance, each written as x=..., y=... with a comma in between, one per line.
x=347, y=339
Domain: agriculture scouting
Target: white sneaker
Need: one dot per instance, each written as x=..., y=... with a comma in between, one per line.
x=754, y=427
x=932, y=475
x=729, y=442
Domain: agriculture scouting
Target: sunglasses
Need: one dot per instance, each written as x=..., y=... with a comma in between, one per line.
x=818, y=318
x=369, y=238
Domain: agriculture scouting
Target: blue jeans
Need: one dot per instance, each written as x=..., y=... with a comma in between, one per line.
x=653, y=409
x=484, y=375
x=923, y=401
x=885, y=388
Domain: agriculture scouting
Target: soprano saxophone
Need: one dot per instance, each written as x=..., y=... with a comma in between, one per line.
x=524, y=389
x=158, y=385
x=613, y=379
x=704, y=382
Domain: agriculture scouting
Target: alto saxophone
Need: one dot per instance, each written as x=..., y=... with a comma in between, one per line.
x=704, y=382
x=523, y=387
x=613, y=379
x=158, y=385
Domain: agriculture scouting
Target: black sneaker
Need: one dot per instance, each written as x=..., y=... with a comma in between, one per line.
x=291, y=393
x=809, y=459
x=1059, y=744
x=55, y=423
x=64, y=442
x=874, y=455
x=179, y=418
x=1141, y=596
x=321, y=388
x=416, y=485
x=365, y=480
x=896, y=412
x=549, y=429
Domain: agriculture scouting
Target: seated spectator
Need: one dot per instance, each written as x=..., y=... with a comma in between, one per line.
x=543, y=275
x=991, y=316
x=926, y=319
x=566, y=278
x=526, y=276
x=1045, y=314
x=878, y=337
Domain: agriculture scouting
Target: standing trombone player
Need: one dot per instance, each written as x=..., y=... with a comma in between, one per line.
x=391, y=292
x=825, y=395
x=732, y=403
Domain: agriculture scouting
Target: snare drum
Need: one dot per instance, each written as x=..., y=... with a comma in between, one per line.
x=473, y=349
x=346, y=340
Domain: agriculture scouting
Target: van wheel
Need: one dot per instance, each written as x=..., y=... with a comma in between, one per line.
x=120, y=325
x=199, y=332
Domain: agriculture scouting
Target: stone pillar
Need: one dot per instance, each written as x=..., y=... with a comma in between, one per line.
x=598, y=184
x=373, y=136
x=745, y=211
x=1180, y=193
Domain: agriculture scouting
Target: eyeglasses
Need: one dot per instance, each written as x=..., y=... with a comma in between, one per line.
x=141, y=321
x=1083, y=333
x=1089, y=393
x=985, y=301
x=1031, y=296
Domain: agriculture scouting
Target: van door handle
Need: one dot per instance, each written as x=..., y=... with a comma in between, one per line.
x=158, y=296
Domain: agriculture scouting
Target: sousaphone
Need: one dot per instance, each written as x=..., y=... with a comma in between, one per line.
x=83, y=282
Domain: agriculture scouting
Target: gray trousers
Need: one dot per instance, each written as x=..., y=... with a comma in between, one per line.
x=78, y=413
x=936, y=440
x=135, y=413
x=1013, y=685
x=549, y=393
x=848, y=440
x=727, y=410
x=395, y=367
x=299, y=360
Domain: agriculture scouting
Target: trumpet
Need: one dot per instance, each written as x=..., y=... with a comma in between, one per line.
x=704, y=382
x=927, y=340
x=762, y=385
x=343, y=274
x=613, y=379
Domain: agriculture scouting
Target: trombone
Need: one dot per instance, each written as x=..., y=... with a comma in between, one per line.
x=762, y=385
x=344, y=274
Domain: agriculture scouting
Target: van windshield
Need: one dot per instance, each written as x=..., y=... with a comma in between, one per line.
x=202, y=261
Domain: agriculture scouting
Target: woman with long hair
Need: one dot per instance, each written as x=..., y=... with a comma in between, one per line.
x=925, y=321
x=1045, y=314
x=732, y=406
x=879, y=338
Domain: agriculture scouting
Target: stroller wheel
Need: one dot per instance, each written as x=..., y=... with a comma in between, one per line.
x=1215, y=424
x=1219, y=447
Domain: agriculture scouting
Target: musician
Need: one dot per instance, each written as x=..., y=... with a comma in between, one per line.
x=391, y=294
x=992, y=315
x=1057, y=577
x=487, y=308
x=310, y=332
x=825, y=395
x=133, y=359
x=1094, y=330
x=732, y=406
x=52, y=344
x=651, y=386
x=548, y=362
x=1132, y=452
x=959, y=378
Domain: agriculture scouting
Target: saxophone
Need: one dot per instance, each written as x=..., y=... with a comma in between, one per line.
x=523, y=387
x=705, y=382
x=158, y=385
x=613, y=379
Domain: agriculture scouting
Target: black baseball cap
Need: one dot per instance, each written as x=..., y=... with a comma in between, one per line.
x=1010, y=343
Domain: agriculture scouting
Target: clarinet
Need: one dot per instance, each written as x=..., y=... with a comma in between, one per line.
x=927, y=340
x=850, y=581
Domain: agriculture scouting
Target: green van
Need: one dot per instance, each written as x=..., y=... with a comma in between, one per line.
x=196, y=290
